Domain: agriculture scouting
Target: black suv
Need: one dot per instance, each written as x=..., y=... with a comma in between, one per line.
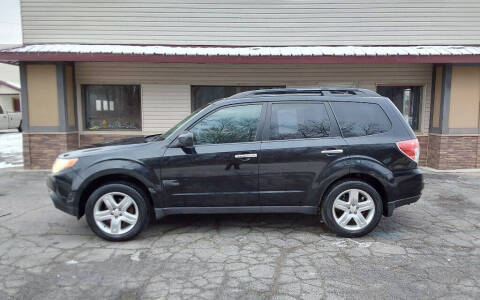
x=345, y=154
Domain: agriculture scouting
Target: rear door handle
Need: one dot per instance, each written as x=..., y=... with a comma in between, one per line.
x=247, y=155
x=332, y=151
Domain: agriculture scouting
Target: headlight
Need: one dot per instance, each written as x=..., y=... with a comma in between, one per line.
x=62, y=164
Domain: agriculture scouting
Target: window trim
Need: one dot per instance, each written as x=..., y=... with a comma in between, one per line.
x=423, y=102
x=334, y=128
x=261, y=122
x=83, y=112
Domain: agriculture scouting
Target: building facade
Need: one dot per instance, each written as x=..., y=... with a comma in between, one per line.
x=94, y=71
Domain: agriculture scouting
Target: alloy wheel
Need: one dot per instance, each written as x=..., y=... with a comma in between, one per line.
x=115, y=213
x=353, y=209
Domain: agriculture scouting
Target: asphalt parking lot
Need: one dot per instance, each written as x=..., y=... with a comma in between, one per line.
x=427, y=250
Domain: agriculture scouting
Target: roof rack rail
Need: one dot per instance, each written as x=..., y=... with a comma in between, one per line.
x=318, y=91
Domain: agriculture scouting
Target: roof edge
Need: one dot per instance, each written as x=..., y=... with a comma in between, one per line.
x=10, y=85
x=244, y=55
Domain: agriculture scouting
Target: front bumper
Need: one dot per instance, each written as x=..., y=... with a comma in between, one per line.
x=62, y=197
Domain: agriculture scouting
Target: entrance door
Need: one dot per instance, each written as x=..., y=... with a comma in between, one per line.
x=222, y=168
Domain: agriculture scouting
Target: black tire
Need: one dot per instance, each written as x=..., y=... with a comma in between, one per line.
x=20, y=129
x=138, y=196
x=327, y=207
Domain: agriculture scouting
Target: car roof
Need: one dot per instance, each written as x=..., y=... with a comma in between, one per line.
x=297, y=94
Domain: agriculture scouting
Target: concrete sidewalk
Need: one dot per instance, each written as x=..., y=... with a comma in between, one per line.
x=427, y=250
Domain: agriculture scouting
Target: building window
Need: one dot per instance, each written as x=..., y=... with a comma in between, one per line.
x=299, y=121
x=203, y=94
x=112, y=107
x=407, y=99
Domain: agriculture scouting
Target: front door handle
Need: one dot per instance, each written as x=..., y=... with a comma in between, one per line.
x=247, y=155
x=332, y=151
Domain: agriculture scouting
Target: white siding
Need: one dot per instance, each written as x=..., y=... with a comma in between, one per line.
x=252, y=22
x=164, y=105
x=166, y=86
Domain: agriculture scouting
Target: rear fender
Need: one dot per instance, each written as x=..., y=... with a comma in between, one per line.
x=336, y=169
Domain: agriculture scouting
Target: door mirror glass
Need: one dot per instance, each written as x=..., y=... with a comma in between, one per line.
x=184, y=140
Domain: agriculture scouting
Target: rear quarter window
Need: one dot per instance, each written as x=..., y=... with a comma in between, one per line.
x=361, y=119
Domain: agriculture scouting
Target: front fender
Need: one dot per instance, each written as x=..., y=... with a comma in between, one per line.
x=116, y=166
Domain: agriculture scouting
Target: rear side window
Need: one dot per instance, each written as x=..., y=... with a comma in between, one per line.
x=360, y=119
x=299, y=121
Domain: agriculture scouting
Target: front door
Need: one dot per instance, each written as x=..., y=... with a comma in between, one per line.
x=301, y=140
x=222, y=168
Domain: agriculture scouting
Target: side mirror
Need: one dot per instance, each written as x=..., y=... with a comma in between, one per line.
x=184, y=140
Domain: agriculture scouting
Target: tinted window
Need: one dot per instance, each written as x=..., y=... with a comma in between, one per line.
x=359, y=119
x=228, y=125
x=299, y=121
x=1, y=110
x=112, y=107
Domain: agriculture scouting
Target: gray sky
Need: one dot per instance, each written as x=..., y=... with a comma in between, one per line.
x=10, y=24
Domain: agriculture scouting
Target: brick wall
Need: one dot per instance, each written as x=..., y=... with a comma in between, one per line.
x=436, y=151
x=453, y=151
x=41, y=149
x=423, y=140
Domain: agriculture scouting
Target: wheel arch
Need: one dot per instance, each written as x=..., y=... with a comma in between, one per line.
x=370, y=171
x=113, y=177
x=371, y=180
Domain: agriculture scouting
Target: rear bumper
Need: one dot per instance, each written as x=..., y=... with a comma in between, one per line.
x=400, y=202
x=62, y=199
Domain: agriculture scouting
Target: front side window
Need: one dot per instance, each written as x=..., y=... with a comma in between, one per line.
x=235, y=124
x=204, y=94
x=360, y=119
x=112, y=107
x=299, y=121
x=406, y=99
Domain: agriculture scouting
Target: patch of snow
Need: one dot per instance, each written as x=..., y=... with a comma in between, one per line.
x=72, y=262
x=11, y=150
x=249, y=51
x=135, y=256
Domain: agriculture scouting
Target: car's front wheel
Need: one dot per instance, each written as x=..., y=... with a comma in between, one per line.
x=352, y=208
x=117, y=211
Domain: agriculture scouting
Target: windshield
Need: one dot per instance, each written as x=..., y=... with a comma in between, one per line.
x=161, y=137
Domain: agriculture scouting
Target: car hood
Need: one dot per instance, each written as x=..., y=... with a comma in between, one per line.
x=126, y=141
x=109, y=148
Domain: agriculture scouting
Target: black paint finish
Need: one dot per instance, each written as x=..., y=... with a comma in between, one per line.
x=285, y=176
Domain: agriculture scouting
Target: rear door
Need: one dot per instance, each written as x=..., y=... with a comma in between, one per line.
x=301, y=139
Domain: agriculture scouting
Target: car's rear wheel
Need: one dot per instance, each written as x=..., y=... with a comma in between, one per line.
x=352, y=208
x=117, y=211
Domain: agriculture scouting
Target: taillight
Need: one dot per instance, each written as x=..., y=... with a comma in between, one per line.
x=410, y=148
